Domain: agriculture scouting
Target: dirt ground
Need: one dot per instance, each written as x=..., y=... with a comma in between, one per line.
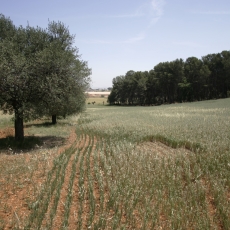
x=18, y=185
x=6, y=132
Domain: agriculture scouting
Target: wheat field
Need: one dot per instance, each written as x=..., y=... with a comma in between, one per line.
x=161, y=167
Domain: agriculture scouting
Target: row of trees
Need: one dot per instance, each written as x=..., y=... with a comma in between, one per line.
x=176, y=81
x=41, y=73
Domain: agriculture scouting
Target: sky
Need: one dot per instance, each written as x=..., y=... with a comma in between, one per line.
x=115, y=36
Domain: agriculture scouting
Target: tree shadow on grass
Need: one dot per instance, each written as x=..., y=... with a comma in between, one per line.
x=44, y=124
x=10, y=146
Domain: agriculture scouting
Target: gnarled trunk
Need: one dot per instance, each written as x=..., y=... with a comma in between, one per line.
x=18, y=126
x=54, y=119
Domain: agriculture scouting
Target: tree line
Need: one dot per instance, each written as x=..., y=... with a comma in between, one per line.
x=175, y=81
x=41, y=72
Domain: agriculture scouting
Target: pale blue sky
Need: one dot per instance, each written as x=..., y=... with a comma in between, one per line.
x=116, y=36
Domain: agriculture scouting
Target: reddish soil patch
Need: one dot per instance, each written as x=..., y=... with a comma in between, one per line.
x=6, y=132
x=22, y=176
x=212, y=209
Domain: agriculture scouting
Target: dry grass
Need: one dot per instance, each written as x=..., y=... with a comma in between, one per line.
x=99, y=99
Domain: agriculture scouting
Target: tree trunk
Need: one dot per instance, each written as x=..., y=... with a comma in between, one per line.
x=54, y=119
x=18, y=126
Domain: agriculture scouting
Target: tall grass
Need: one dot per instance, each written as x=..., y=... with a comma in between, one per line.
x=206, y=123
x=183, y=190
x=5, y=120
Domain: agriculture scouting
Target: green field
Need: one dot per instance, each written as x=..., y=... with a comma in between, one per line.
x=98, y=101
x=160, y=167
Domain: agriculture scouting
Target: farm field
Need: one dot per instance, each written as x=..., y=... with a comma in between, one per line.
x=97, y=98
x=161, y=167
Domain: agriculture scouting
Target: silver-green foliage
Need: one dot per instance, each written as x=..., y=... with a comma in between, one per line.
x=41, y=72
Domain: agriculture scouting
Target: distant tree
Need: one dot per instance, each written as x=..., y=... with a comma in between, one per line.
x=176, y=69
x=112, y=97
x=196, y=73
x=162, y=83
x=129, y=87
x=152, y=88
x=162, y=76
x=168, y=75
x=117, y=93
x=226, y=64
x=184, y=90
x=173, y=81
x=140, y=79
x=218, y=81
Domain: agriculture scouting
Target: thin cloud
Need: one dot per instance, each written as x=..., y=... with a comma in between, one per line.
x=212, y=12
x=134, y=15
x=157, y=10
x=128, y=41
x=135, y=39
x=153, y=11
x=94, y=41
x=157, y=6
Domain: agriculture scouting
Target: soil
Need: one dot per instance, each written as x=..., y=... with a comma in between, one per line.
x=18, y=192
x=6, y=132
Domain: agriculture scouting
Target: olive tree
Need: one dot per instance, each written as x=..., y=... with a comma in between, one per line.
x=40, y=72
x=18, y=90
x=65, y=75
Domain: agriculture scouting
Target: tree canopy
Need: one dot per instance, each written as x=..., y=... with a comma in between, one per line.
x=41, y=72
x=175, y=81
